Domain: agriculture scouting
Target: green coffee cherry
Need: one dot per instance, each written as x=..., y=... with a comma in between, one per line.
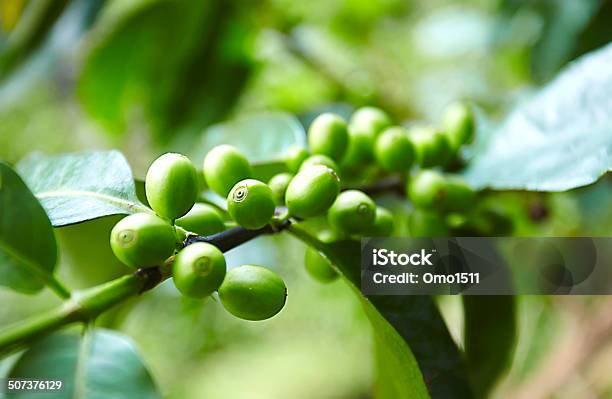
x=224, y=166
x=449, y=193
x=394, y=150
x=202, y=219
x=143, y=240
x=492, y=221
x=171, y=185
x=320, y=160
x=251, y=204
x=353, y=212
x=253, y=292
x=198, y=270
x=278, y=184
x=432, y=147
x=427, y=189
x=427, y=223
x=328, y=135
x=369, y=120
x=294, y=158
x=365, y=125
x=319, y=267
x=459, y=195
x=484, y=221
x=360, y=149
x=312, y=191
x=383, y=223
x=458, y=123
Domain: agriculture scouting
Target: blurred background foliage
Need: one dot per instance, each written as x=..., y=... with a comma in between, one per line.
x=149, y=76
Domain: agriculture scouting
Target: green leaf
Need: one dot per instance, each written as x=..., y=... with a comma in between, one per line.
x=77, y=243
x=193, y=81
x=76, y=187
x=562, y=22
x=28, y=251
x=415, y=354
x=261, y=137
x=102, y=364
x=489, y=339
x=37, y=21
x=557, y=141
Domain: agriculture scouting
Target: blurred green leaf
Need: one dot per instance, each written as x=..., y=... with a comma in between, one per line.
x=561, y=23
x=261, y=137
x=101, y=364
x=37, y=20
x=80, y=186
x=490, y=335
x=28, y=251
x=557, y=141
x=264, y=171
x=598, y=31
x=415, y=354
x=174, y=63
x=10, y=11
x=77, y=242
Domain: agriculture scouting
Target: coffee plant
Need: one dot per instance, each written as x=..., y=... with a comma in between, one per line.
x=182, y=233
x=327, y=180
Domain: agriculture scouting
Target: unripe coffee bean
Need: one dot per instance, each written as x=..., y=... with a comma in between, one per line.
x=319, y=160
x=459, y=195
x=312, y=191
x=198, y=270
x=202, y=219
x=360, y=150
x=394, y=150
x=171, y=185
x=432, y=147
x=449, y=193
x=143, y=240
x=294, y=158
x=252, y=292
x=365, y=125
x=328, y=135
x=224, y=166
x=383, y=223
x=353, y=212
x=427, y=223
x=278, y=184
x=427, y=189
x=369, y=120
x=458, y=124
x=490, y=221
x=319, y=267
x=250, y=204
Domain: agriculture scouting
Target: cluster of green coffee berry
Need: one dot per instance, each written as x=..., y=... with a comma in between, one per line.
x=145, y=239
x=310, y=189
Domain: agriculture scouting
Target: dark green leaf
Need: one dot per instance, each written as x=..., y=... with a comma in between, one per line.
x=28, y=251
x=261, y=137
x=415, y=354
x=81, y=186
x=598, y=32
x=102, y=364
x=557, y=141
x=490, y=334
